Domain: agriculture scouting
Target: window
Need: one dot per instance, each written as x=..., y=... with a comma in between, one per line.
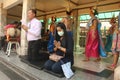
x=41, y=20
x=108, y=15
x=88, y=17
x=101, y=16
x=104, y=17
x=83, y=17
x=49, y=21
x=58, y=19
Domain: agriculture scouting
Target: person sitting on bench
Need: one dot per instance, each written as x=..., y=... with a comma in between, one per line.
x=63, y=50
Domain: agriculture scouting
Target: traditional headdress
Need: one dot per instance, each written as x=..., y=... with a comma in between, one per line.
x=53, y=18
x=113, y=20
x=94, y=10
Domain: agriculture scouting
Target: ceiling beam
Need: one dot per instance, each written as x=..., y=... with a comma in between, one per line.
x=101, y=3
x=56, y=9
x=41, y=10
x=14, y=15
x=83, y=6
x=60, y=11
x=74, y=3
x=36, y=9
x=11, y=3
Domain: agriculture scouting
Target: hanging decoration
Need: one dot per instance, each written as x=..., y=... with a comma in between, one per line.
x=68, y=11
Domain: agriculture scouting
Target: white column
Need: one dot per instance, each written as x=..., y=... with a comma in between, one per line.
x=3, y=18
x=27, y=4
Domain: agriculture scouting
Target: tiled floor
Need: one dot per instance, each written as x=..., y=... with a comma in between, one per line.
x=7, y=74
x=93, y=66
x=88, y=70
x=3, y=76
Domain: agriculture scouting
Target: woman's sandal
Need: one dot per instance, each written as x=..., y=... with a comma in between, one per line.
x=86, y=60
x=111, y=67
x=97, y=60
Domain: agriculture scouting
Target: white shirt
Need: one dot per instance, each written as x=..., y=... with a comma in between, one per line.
x=34, y=31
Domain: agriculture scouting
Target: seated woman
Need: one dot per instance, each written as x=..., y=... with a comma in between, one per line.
x=63, y=50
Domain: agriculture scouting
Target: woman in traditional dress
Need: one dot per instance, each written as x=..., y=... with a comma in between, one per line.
x=115, y=47
x=92, y=41
x=67, y=22
x=50, y=46
x=110, y=35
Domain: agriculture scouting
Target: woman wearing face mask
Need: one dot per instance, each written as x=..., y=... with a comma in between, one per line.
x=63, y=50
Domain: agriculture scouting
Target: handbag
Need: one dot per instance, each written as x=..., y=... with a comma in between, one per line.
x=55, y=57
x=66, y=67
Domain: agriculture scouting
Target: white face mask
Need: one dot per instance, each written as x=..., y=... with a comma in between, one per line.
x=60, y=33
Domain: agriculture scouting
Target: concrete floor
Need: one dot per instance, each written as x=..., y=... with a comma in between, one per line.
x=87, y=70
x=3, y=76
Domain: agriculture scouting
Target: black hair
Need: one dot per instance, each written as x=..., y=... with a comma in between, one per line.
x=48, y=30
x=95, y=12
x=14, y=22
x=19, y=23
x=62, y=26
x=33, y=11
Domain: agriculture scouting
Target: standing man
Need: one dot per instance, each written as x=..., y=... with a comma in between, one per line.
x=33, y=30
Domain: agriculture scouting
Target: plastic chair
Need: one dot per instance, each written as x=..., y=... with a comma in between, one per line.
x=9, y=46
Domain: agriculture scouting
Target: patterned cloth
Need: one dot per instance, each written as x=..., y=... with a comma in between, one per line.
x=94, y=46
x=108, y=43
x=116, y=43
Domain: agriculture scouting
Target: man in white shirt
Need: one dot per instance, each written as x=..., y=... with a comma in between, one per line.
x=33, y=30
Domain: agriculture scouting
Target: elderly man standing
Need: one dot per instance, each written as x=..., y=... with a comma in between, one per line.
x=33, y=30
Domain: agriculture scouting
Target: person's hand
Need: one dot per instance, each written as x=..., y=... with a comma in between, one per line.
x=55, y=43
x=24, y=25
x=23, y=22
x=58, y=44
x=25, y=28
x=117, y=31
x=51, y=56
x=55, y=57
